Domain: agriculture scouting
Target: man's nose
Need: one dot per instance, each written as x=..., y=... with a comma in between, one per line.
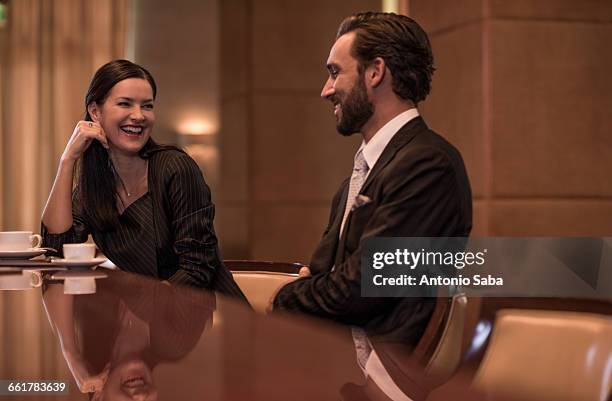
x=328, y=89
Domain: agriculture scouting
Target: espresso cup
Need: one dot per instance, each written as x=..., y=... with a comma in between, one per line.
x=83, y=251
x=19, y=240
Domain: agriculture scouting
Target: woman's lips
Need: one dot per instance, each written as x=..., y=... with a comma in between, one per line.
x=135, y=382
x=132, y=131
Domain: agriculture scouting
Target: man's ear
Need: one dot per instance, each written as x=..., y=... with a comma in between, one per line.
x=94, y=111
x=375, y=72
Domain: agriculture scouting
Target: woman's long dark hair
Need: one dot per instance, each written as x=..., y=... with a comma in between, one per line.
x=176, y=320
x=96, y=180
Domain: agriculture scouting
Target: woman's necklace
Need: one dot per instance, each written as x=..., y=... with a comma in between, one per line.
x=124, y=187
x=128, y=193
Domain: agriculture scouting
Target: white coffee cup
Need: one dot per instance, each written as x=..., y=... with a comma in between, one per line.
x=80, y=285
x=19, y=240
x=83, y=251
x=24, y=280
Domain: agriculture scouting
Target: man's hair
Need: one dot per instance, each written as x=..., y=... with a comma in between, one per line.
x=398, y=40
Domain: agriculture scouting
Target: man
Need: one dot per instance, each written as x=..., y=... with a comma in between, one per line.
x=407, y=181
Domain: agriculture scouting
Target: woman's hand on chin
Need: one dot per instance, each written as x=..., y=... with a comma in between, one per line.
x=82, y=136
x=87, y=382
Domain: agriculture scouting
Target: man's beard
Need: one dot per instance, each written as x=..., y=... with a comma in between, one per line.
x=356, y=110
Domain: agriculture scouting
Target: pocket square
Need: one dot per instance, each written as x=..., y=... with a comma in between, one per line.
x=360, y=200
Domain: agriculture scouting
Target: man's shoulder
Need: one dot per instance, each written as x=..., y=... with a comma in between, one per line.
x=427, y=144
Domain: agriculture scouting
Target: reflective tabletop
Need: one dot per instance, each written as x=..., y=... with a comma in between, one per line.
x=111, y=335
x=140, y=339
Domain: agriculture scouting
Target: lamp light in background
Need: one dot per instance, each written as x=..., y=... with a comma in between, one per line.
x=396, y=6
x=198, y=137
x=196, y=127
x=390, y=6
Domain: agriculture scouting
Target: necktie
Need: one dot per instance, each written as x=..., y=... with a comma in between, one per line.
x=363, y=349
x=360, y=171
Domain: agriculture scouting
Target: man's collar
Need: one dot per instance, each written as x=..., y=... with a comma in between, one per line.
x=374, y=148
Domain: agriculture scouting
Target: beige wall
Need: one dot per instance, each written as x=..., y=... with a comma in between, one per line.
x=178, y=41
x=523, y=88
x=282, y=159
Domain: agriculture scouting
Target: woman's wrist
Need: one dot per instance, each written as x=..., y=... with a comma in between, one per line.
x=67, y=161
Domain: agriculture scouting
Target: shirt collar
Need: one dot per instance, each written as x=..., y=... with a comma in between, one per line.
x=374, y=148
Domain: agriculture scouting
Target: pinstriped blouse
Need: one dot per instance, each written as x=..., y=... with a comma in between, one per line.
x=167, y=233
x=132, y=245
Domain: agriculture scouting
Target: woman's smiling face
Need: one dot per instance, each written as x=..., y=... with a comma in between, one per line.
x=129, y=380
x=127, y=115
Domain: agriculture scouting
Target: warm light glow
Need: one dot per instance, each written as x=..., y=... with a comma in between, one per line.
x=390, y=6
x=196, y=127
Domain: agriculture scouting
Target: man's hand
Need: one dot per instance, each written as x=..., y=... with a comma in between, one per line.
x=304, y=272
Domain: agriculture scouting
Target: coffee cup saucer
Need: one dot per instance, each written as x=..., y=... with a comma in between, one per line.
x=78, y=263
x=22, y=254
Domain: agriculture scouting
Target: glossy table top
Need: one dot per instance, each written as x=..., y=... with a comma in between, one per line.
x=137, y=338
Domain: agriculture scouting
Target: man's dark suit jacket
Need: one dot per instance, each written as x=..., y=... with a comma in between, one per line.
x=418, y=188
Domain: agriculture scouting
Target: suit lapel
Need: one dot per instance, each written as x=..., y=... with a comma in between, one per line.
x=399, y=140
x=335, y=230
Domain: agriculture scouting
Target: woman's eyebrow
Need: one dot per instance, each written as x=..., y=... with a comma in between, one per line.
x=131, y=100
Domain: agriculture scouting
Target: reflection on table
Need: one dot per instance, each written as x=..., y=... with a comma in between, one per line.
x=142, y=339
x=138, y=338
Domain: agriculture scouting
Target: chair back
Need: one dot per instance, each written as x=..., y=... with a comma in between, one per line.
x=447, y=353
x=260, y=280
x=548, y=355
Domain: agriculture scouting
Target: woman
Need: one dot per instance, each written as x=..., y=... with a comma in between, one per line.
x=113, y=339
x=146, y=206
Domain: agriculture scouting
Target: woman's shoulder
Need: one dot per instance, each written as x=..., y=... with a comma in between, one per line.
x=174, y=170
x=172, y=163
x=171, y=158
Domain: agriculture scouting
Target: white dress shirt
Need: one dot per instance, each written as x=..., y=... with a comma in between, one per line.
x=367, y=358
x=374, y=148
